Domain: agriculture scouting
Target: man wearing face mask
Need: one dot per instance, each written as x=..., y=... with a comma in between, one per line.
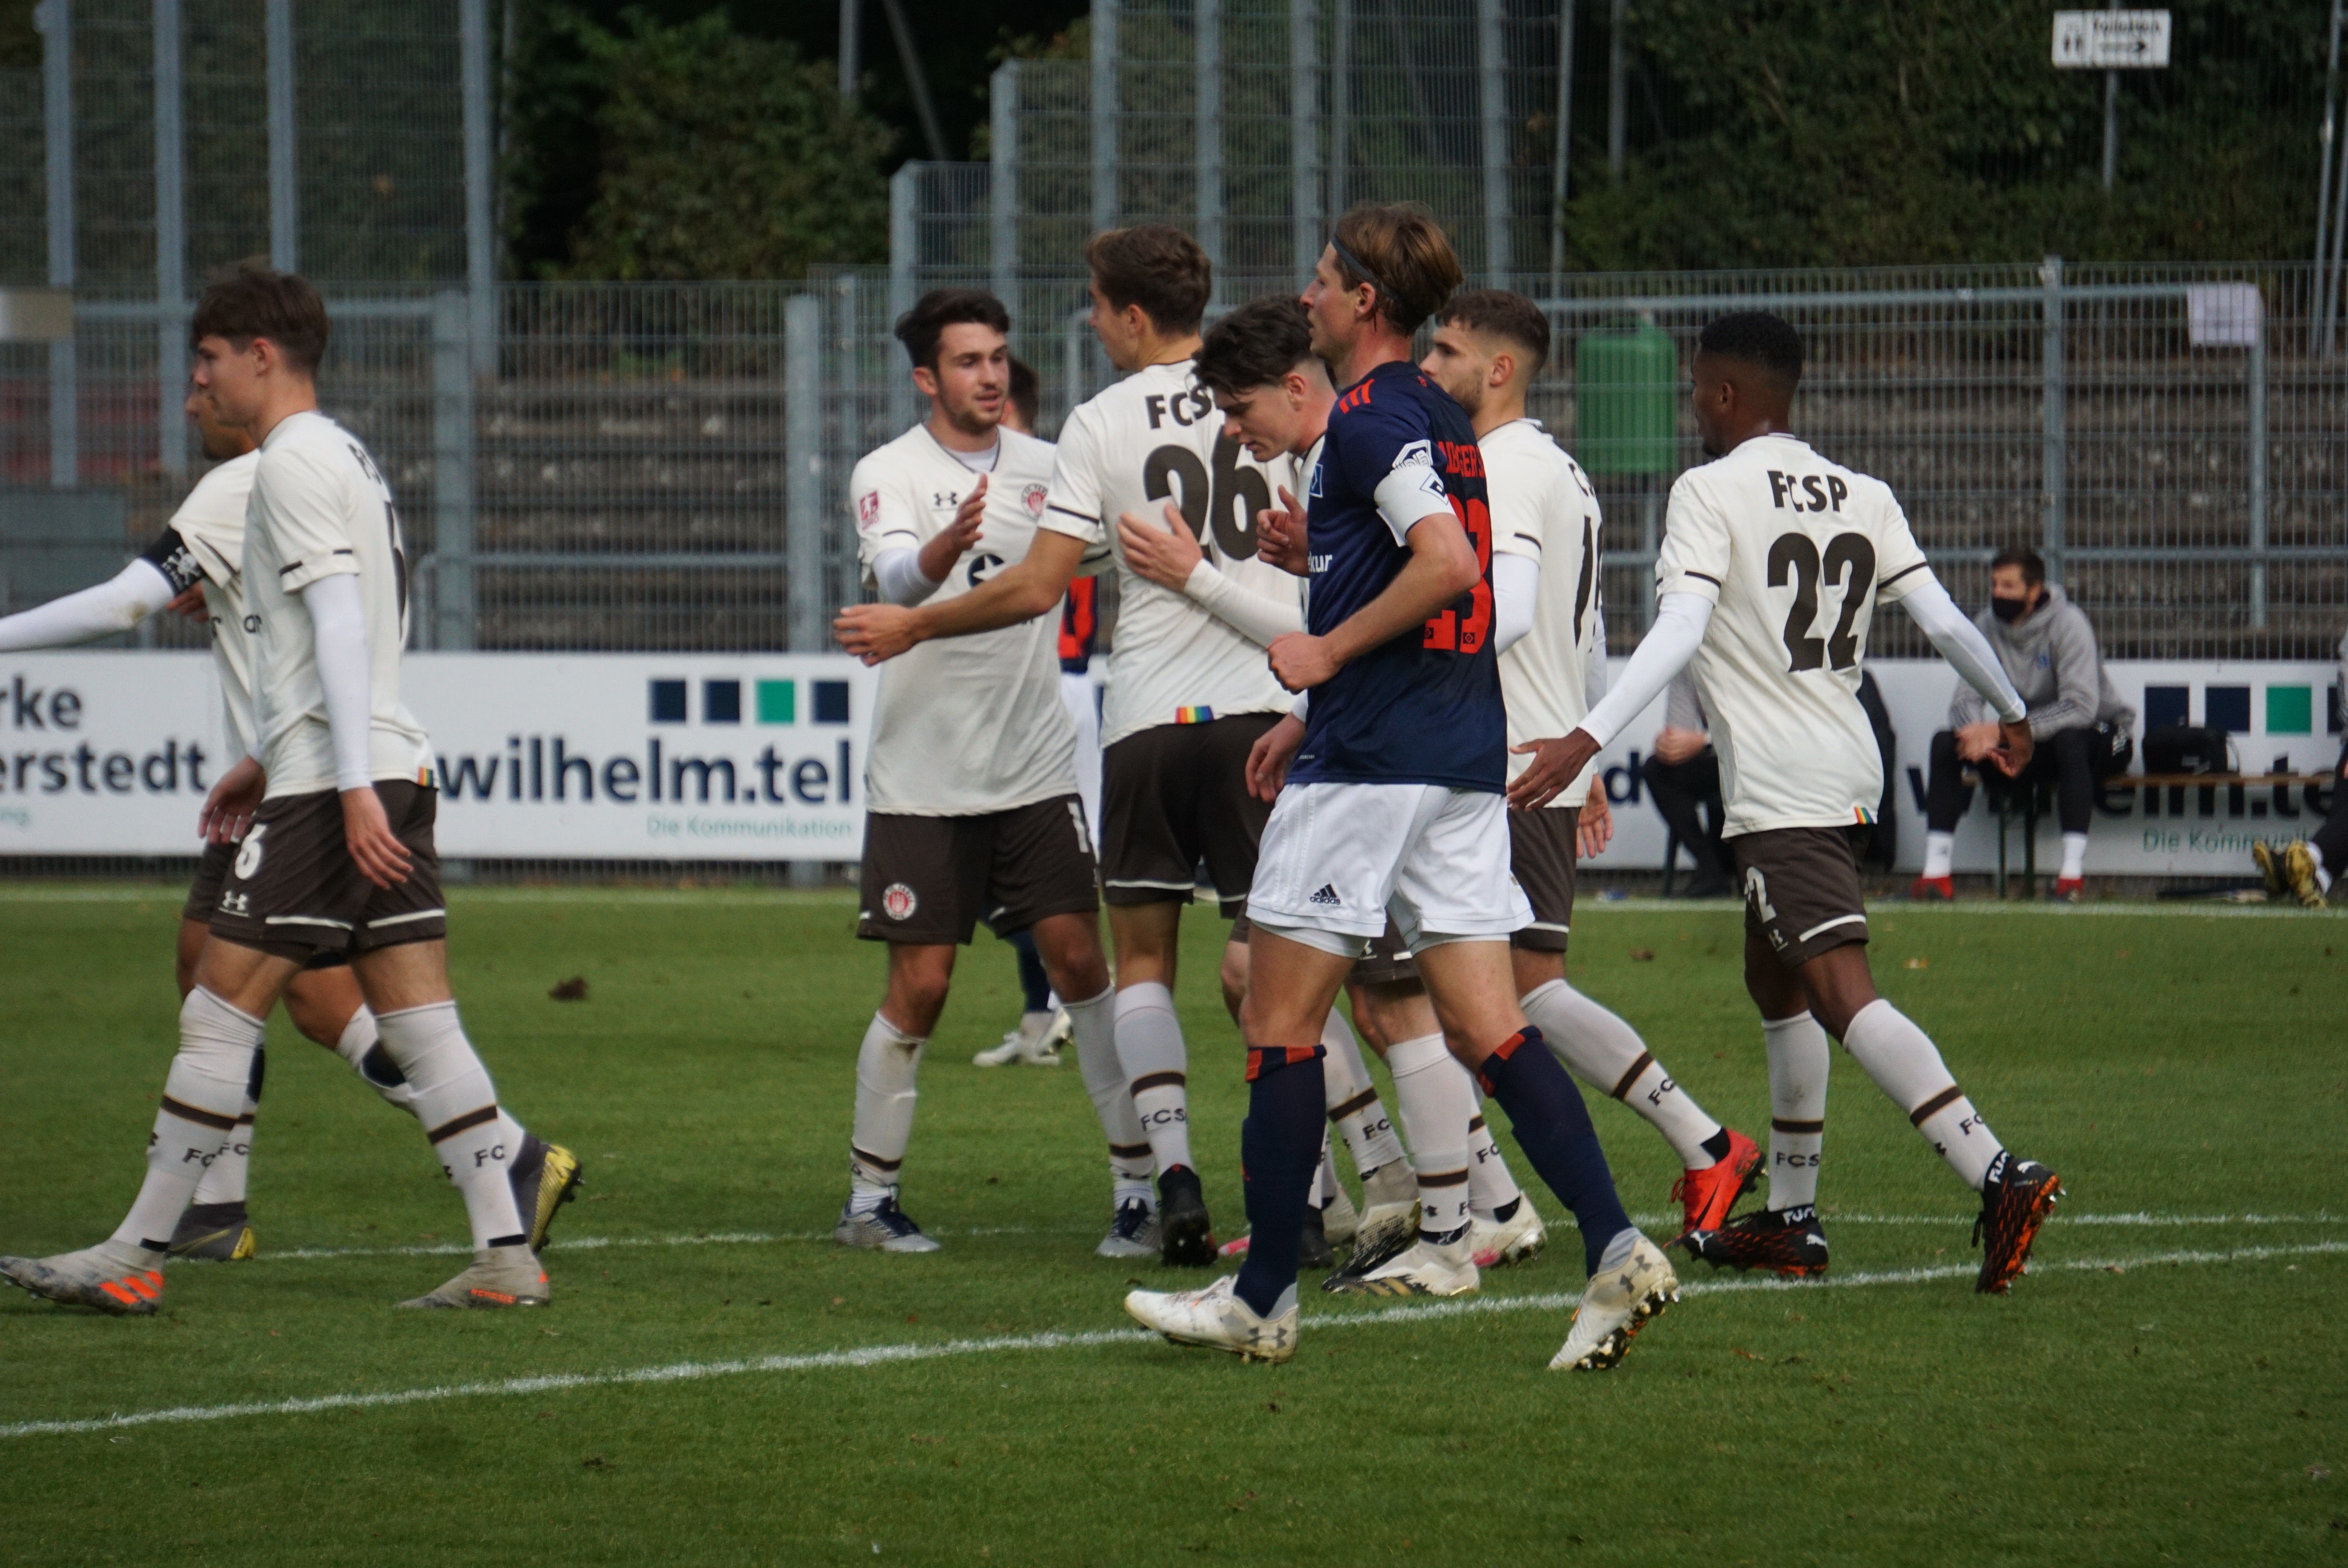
x=2082, y=727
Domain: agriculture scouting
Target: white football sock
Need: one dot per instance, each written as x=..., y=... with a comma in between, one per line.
x=1490, y=1185
x=1324, y=1186
x=224, y=1180
x=1907, y=1066
x=1606, y=1053
x=1353, y=1099
x=886, y=1066
x=1129, y=1159
x=458, y=1105
x=203, y=1095
x=2075, y=857
x=361, y=1046
x=1940, y=853
x=1798, y=1059
x=1437, y=1101
x=1149, y=1045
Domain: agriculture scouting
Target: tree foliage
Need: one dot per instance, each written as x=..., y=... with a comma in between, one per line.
x=716, y=155
x=1817, y=132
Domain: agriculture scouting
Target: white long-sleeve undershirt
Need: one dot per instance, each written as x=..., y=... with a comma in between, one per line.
x=338, y=622
x=1961, y=642
x=1515, y=586
x=1663, y=652
x=116, y=605
x=1593, y=674
x=898, y=575
x=1257, y=617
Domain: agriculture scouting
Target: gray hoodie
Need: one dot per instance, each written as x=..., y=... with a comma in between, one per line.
x=2050, y=655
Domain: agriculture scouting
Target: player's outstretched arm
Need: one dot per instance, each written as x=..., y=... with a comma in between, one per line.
x=116, y=605
x=338, y=618
x=1680, y=622
x=1441, y=567
x=1171, y=558
x=875, y=633
x=1961, y=642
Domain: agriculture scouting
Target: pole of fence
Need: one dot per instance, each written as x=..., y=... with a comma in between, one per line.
x=170, y=241
x=803, y=458
x=2322, y=314
x=1305, y=131
x=1002, y=185
x=2256, y=419
x=1558, y=186
x=452, y=470
x=1341, y=99
x=903, y=238
x=480, y=193
x=2050, y=275
x=1493, y=95
x=55, y=20
x=285, y=191
x=849, y=64
x=1206, y=135
x=2339, y=236
x=1618, y=96
x=1104, y=115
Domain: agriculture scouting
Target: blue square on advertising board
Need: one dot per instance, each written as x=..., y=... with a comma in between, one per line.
x=721, y=702
x=2227, y=708
x=668, y=701
x=2167, y=705
x=830, y=701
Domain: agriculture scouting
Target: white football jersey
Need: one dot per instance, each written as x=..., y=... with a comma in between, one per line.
x=1543, y=507
x=1795, y=551
x=1153, y=438
x=320, y=508
x=964, y=725
x=211, y=525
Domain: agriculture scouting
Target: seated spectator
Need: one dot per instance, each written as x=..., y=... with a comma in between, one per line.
x=1684, y=774
x=2305, y=867
x=2084, y=733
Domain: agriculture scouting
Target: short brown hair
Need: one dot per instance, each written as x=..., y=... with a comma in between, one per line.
x=258, y=300
x=2033, y=567
x=1156, y=267
x=1497, y=313
x=1401, y=250
x=1027, y=391
x=1255, y=345
x=919, y=328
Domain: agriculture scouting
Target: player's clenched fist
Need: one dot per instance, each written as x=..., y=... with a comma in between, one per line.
x=874, y=632
x=1300, y=661
x=1280, y=535
x=1556, y=763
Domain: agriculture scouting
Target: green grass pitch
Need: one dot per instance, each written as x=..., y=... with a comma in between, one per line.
x=2168, y=1385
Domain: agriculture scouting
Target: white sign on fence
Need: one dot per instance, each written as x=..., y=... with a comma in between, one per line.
x=761, y=757
x=2111, y=40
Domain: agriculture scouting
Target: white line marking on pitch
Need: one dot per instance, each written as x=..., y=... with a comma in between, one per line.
x=889, y=1355
x=1654, y=1221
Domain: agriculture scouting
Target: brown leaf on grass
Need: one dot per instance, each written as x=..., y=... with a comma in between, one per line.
x=1642, y=955
x=1746, y=1353
x=574, y=990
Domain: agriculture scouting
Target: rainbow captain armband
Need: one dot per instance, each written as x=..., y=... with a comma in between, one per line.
x=1194, y=715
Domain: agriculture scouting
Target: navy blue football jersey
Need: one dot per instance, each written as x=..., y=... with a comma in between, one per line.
x=1424, y=708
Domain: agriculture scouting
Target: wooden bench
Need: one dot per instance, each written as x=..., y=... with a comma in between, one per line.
x=2024, y=802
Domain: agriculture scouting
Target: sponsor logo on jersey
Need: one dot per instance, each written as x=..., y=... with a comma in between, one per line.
x=1032, y=498
x=898, y=902
x=868, y=505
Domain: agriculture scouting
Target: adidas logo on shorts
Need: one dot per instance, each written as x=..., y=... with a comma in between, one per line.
x=1328, y=894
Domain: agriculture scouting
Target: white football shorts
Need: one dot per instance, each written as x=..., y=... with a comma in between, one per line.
x=1337, y=859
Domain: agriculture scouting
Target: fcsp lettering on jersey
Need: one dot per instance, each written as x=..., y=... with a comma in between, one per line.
x=1184, y=408
x=1825, y=493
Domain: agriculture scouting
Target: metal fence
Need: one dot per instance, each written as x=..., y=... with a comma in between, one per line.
x=665, y=466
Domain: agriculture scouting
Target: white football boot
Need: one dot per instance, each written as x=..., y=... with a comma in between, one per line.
x=1618, y=1303
x=113, y=1276
x=1035, y=1043
x=884, y=1228
x=499, y=1277
x=1341, y=1221
x=1421, y=1269
x=1216, y=1317
x=1133, y=1233
x=1500, y=1242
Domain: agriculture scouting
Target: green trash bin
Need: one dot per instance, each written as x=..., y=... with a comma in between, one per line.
x=1626, y=396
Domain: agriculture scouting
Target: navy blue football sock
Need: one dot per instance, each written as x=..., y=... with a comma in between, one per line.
x=1035, y=986
x=1553, y=1126
x=1279, y=1158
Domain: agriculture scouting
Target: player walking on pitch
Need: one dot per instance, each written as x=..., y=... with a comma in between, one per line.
x=1393, y=806
x=1774, y=560
x=1188, y=693
x=971, y=782
x=195, y=563
x=339, y=854
x=1488, y=345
